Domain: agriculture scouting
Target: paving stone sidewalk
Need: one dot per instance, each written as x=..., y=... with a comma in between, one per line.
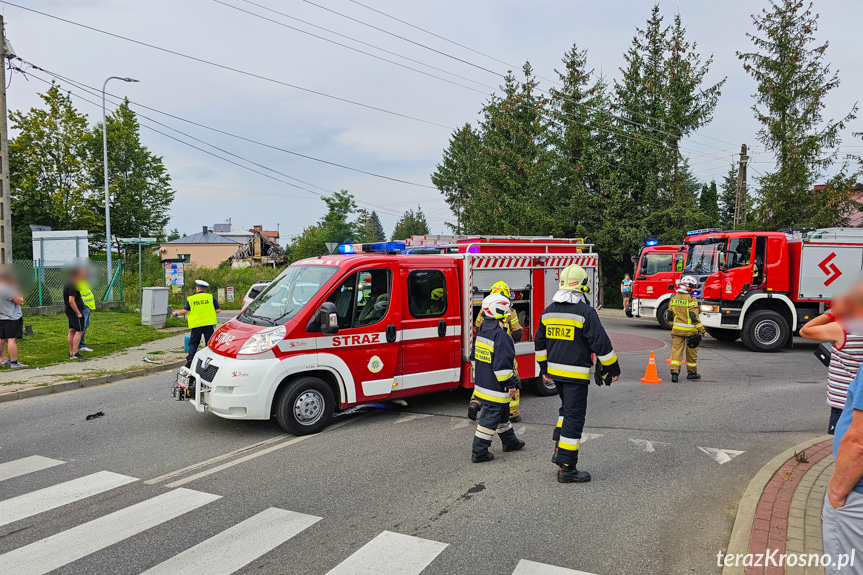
x=165, y=351
x=788, y=515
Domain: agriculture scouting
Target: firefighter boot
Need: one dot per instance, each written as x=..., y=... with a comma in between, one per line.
x=692, y=375
x=569, y=474
x=515, y=446
x=674, y=377
x=473, y=410
x=482, y=458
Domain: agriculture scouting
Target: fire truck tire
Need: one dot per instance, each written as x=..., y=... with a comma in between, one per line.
x=305, y=406
x=663, y=316
x=765, y=330
x=542, y=387
x=723, y=334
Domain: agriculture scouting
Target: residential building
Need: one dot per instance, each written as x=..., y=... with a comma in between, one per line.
x=204, y=249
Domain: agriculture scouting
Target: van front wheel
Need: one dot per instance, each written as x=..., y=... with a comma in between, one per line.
x=305, y=406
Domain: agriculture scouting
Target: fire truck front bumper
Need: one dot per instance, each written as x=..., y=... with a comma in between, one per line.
x=231, y=388
x=643, y=307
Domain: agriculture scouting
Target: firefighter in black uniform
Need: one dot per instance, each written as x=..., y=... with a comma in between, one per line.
x=495, y=379
x=569, y=332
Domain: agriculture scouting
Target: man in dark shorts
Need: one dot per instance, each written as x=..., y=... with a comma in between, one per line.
x=11, y=320
x=74, y=304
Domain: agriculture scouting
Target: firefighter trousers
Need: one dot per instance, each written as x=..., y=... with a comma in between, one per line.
x=678, y=349
x=494, y=418
x=570, y=421
x=513, y=405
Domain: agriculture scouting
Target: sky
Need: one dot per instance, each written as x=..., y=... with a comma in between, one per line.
x=210, y=190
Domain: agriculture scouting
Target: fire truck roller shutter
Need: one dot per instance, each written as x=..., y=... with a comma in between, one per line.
x=826, y=270
x=517, y=279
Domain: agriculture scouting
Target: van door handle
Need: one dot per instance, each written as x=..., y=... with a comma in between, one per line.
x=441, y=328
x=670, y=286
x=391, y=333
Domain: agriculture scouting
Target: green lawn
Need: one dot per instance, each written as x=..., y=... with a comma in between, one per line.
x=110, y=331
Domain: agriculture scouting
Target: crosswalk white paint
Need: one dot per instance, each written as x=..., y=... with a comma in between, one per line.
x=526, y=567
x=237, y=546
x=42, y=500
x=61, y=549
x=391, y=553
x=26, y=465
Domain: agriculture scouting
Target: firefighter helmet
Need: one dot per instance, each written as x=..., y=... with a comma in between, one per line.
x=688, y=282
x=574, y=278
x=496, y=306
x=501, y=288
x=437, y=294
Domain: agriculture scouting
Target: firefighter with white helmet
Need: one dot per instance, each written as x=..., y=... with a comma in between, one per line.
x=515, y=331
x=495, y=379
x=569, y=332
x=686, y=330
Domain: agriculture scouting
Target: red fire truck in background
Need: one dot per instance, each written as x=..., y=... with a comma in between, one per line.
x=373, y=323
x=654, y=279
x=762, y=287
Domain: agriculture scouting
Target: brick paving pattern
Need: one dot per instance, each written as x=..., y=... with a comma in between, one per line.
x=623, y=342
x=788, y=516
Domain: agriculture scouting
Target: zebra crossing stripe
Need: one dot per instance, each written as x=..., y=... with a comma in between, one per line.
x=36, y=502
x=237, y=546
x=391, y=553
x=526, y=567
x=61, y=549
x=26, y=465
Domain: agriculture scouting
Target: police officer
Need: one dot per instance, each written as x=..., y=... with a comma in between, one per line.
x=493, y=357
x=686, y=331
x=514, y=329
x=569, y=332
x=201, y=310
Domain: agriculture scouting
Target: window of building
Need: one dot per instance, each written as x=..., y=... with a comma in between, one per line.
x=427, y=293
x=184, y=257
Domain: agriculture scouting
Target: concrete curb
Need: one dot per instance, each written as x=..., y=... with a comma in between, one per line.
x=738, y=543
x=38, y=390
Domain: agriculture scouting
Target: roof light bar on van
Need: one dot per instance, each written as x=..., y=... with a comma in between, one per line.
x=651, y=243
x=704, y=231
x=375, y=248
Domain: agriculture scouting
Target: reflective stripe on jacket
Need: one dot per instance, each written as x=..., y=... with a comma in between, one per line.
x=201, y=310
x=683, y=306
x=493, y=356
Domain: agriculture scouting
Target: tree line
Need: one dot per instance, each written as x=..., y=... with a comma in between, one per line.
x=56, y=174
x=603, y=158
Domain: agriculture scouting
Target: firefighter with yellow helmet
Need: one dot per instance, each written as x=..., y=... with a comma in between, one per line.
x=686, y=330
x=514, y=329
x=569, y=332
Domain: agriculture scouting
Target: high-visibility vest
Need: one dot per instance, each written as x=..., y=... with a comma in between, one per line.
x=201, y=310
x=86, y=294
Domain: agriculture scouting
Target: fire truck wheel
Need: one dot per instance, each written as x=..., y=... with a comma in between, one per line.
x=664, y=317
x=543, y=387
x=305, y=406
x=764, y=330
x=723, y=334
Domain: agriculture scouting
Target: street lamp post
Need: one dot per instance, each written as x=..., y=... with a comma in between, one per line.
x=107, y=195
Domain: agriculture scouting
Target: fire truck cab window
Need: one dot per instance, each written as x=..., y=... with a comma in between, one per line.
x=656, y=263
x=362, y=299
x=739, y=252
x=427, y=293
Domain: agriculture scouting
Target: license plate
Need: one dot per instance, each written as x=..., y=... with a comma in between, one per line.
x=183, y=380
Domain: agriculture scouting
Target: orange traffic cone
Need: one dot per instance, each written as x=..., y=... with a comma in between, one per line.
x=650, y=375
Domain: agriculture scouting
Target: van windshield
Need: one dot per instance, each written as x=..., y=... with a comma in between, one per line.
x=287, y=294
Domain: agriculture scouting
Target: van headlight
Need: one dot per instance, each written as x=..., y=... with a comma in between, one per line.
x=263, y=341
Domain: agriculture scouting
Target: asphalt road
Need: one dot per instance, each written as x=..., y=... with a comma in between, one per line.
x=658, y=503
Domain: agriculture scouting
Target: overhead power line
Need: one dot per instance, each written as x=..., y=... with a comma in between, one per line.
x=229, y=68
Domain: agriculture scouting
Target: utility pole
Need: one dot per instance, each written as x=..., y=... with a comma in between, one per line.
x=5, y=193
x=740, y=200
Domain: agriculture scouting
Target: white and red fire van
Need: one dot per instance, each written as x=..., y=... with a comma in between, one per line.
x=374, y=323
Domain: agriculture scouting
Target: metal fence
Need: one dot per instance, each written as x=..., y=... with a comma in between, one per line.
x=42, y=281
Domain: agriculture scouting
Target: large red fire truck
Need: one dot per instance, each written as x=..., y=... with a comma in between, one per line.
x=374, y=323
x=762, y=287
x=656, y=274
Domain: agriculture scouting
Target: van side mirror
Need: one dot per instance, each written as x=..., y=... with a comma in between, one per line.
x=325, y=320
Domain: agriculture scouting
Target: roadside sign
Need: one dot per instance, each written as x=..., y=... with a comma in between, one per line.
x=331, y=246
x=138, y=241
x=221, y=294
x=230, y=291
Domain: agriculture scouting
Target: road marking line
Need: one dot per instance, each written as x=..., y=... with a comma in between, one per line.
x=61, y=549
x=721, y=456
x=648, y=445
x=213, y=460
x=390, y=553
x=26, y=465
x=36, y=502
x=257, y=454
x=237, y=546
x=458, y=423
x=526, y=567
x=588, y=436
x=411, y=416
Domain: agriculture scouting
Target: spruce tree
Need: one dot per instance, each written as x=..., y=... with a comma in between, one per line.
x=728, y=198
x=458, y=175
x=708, y=205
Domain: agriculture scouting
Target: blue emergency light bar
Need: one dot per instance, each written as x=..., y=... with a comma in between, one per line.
x=375, y=248
x=704, y=231
x=651, y=243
